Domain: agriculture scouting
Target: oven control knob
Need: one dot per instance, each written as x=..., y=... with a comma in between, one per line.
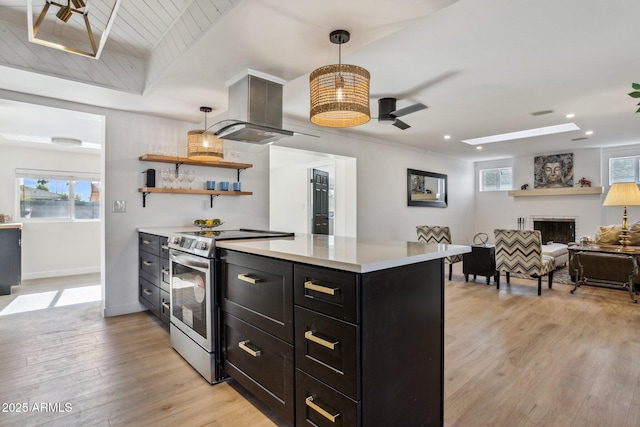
x=204, y=246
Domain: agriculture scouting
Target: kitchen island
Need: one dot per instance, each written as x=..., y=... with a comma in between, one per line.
x=337, y=331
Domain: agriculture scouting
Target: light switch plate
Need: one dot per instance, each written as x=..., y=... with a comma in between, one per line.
x=119, y=206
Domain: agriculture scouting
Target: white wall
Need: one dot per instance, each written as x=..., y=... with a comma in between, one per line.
x=495, y=209
x=382, y=211
x=41, y=250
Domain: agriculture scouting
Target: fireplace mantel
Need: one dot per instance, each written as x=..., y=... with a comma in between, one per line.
x=566, y=191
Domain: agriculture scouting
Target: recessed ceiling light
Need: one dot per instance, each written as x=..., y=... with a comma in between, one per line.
x=479, y=147
x=589, y=132
x=548, y=130
x=447, y=137
x=570, y=116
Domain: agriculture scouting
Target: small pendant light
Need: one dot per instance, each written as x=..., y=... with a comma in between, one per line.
x=204, y=145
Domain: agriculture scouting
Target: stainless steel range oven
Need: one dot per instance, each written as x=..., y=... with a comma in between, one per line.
x=195, y=311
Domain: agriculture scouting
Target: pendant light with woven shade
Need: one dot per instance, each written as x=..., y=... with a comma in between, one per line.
x=339, y=93
x=202, y=144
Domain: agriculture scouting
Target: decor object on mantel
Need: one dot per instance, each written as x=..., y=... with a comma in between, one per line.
x=584, y=182
x=62, y=38
x=524, y=186
x=204, y=145
x=623, y=194
x=340, y=92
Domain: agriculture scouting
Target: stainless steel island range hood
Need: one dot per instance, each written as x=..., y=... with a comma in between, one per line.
x=255, y=111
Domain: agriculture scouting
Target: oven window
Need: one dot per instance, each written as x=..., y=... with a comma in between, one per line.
x=189, y=297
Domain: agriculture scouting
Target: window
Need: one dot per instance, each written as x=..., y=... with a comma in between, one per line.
x=47, y=195
x=624, y=169
x=499, y=179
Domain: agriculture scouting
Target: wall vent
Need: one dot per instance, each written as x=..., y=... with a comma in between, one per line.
x=541, y=113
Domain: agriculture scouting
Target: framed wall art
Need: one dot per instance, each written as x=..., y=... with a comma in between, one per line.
x=553, y=171
x=426, y=189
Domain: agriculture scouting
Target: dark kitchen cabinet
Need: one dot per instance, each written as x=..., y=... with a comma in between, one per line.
x=369, y=347
x=10, y=257
x=153, y=277
x=257, y=339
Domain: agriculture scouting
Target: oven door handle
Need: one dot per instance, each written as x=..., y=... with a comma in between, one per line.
x=191, y=262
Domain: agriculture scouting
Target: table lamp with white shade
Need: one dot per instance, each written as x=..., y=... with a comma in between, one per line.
x=623, y=194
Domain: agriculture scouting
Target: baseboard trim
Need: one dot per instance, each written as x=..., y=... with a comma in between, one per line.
x=59, y=273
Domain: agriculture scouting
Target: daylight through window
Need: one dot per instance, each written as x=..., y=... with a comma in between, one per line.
x=499, y=179
x=624, y=169
x=47, y=195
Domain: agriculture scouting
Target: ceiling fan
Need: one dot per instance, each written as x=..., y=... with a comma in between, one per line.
x=387, y=113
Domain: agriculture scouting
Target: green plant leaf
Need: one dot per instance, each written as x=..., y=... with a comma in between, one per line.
x=634, y=94
x=636, y=86
x=638, y=110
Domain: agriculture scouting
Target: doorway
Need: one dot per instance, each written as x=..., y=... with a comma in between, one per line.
x=320, y=205
x=291, y=194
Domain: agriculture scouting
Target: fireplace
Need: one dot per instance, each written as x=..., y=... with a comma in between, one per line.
x=557, y=230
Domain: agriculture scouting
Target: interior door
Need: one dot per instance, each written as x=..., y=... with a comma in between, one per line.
x=320, y=202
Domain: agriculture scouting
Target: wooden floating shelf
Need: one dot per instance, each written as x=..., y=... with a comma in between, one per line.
x=188, y=161
x=187, y=191
x=211, y=193
x=565, y=191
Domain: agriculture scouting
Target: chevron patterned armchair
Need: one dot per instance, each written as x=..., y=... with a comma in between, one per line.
x=438, y=234
x=520, y=251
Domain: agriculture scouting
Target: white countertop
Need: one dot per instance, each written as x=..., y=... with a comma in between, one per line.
x=345, y=253
x=167, y=231
x=11, y=225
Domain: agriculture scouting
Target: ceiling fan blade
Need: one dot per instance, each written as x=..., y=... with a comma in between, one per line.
x=400, y=124
x=408, y=110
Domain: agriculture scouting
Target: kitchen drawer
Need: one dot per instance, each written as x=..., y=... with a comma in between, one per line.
x=328, y=349
x=260, y=362
x=149, y=295
x=319, y=405
x=332, y=292
x=165, y=279
x=149, y=243
x=259, y=290
x=165, y=307
x=149, y=266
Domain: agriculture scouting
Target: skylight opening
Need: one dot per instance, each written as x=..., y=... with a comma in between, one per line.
x=529, y=133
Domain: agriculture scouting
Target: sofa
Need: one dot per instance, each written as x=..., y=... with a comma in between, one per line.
x=605, y=269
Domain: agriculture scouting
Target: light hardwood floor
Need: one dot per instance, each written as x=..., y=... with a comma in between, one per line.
x=511, y=359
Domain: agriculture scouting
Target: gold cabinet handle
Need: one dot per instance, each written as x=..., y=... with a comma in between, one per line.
x=330, y=345
x=310, y=403
x=147, y=263
x=166, y=305
x=318, y=288
x=165, y=247
x=165, y=271
x=243, y=345
x=147, y=291
x=245, y=278
x=146, y=242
